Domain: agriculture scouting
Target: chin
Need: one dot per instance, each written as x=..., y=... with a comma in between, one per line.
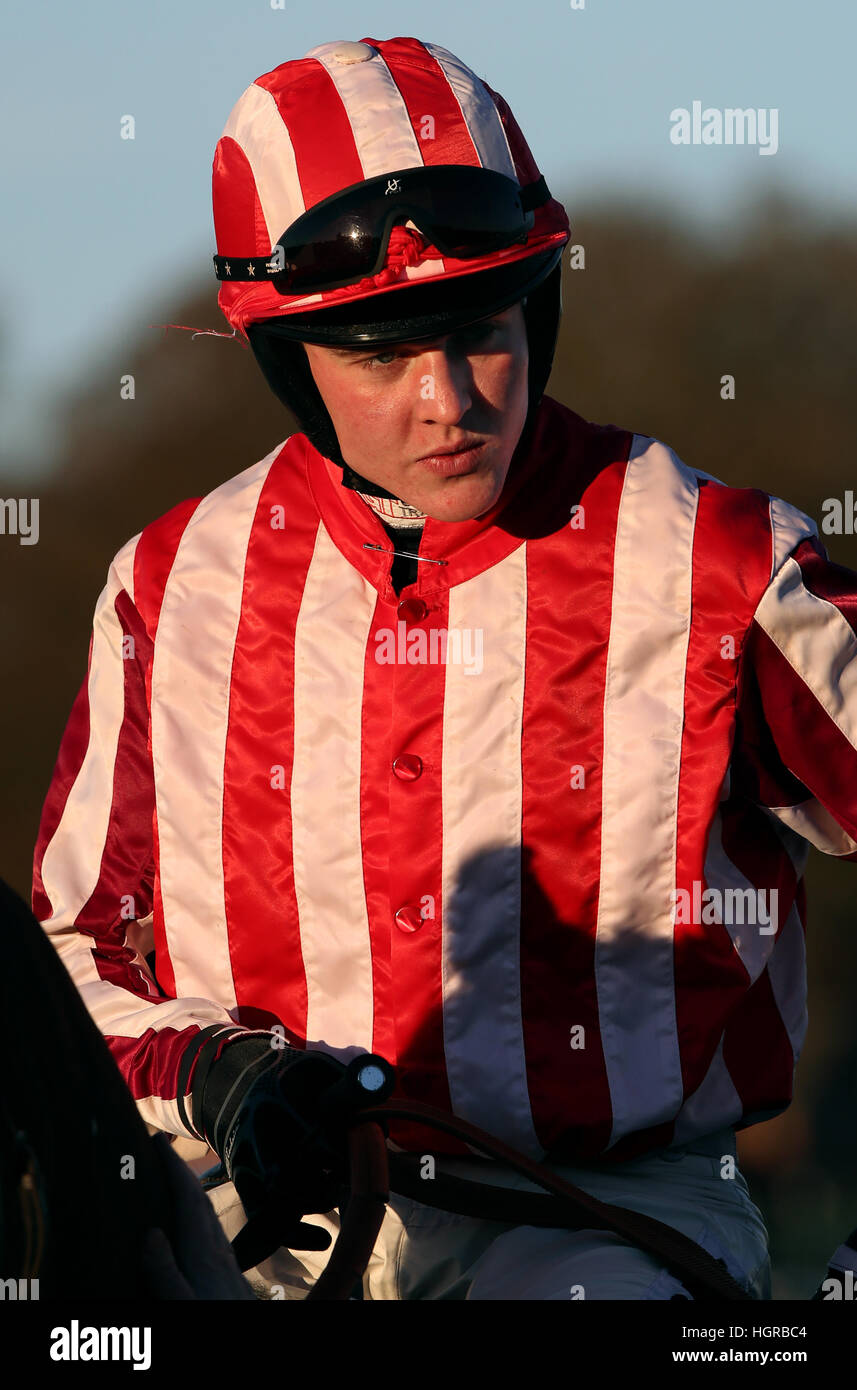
x=460, y=511
x=458, y=507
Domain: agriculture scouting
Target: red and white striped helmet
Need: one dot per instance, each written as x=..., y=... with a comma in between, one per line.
x=347, y=112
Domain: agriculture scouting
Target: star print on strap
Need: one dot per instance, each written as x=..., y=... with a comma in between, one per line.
x=246, y=267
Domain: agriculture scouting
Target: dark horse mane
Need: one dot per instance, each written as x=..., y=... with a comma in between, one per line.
x=70, y=1133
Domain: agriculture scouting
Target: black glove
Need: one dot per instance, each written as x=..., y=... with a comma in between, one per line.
x=260, y=1112
x=277, y=1117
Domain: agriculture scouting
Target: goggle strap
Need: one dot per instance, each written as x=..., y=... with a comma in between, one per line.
x=534, y=194
x=261, y=268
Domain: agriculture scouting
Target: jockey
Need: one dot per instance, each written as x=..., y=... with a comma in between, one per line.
x=457, y=729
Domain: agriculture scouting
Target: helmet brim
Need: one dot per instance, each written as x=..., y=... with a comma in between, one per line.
x=418, y=310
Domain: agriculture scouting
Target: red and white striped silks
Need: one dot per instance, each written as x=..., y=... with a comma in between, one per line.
x=469, y=866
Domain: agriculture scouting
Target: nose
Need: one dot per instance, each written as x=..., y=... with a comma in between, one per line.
x=446, y=385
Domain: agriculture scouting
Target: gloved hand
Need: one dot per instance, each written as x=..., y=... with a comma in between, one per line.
x=260, y=1111
x=278, y=1118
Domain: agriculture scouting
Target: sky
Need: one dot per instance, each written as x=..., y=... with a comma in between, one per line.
x=102, y=237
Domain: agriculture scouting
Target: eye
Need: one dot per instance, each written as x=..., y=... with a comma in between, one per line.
x=379, y=356
x=472, y=333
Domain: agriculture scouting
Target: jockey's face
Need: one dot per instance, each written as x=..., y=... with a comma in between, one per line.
x=392, y=406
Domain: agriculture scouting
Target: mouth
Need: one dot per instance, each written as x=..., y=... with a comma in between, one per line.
x=450, y=465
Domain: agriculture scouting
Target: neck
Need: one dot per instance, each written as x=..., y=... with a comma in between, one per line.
x=357, y=483
x=384, y=504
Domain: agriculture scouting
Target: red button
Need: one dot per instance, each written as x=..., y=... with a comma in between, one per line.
x=408, y=767
x=408, y=919
x=412, y=610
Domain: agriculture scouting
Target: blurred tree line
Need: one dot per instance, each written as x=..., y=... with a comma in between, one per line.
x=657, y=316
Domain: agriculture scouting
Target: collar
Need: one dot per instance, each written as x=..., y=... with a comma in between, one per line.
x=543, y=470
x=394, y=511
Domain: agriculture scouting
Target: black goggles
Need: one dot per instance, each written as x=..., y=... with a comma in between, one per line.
x=464, y=211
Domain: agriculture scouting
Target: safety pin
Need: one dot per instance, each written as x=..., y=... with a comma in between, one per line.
x=411, y=554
